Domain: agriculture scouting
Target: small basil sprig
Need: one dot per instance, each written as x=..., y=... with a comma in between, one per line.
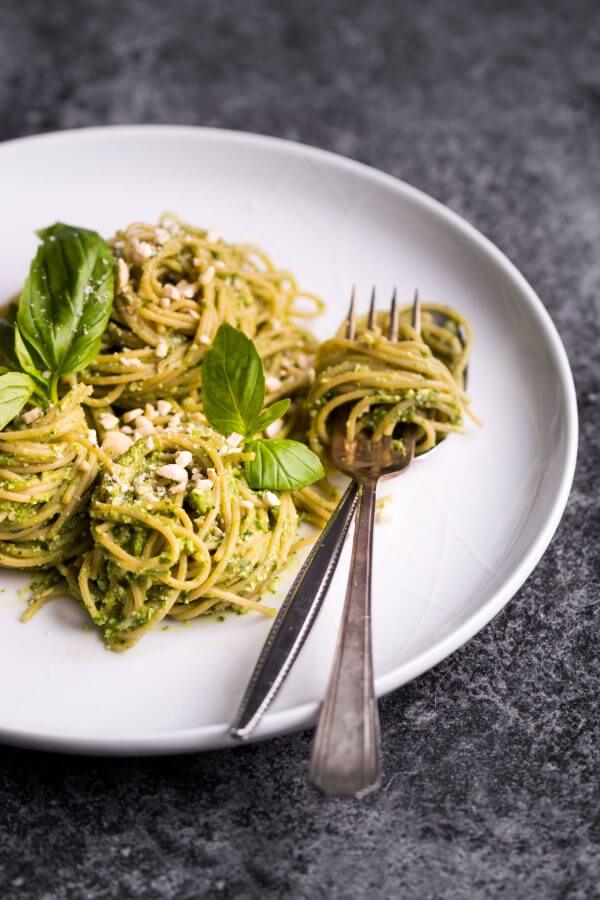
x=15, y=390
x=65, y=304
x=233, y=390
x=281, y=465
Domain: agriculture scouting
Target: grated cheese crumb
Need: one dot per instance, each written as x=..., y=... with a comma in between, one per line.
x=383, y=511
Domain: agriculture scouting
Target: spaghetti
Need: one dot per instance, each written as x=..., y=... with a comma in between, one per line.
x=160, y=520
x=178, y=532
x=176, y=285
x=47, y=467
x=382, y=384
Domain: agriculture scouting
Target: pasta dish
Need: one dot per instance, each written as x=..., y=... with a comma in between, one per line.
x=165, y=416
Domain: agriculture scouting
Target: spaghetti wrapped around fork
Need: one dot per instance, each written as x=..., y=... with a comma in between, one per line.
x=382, y=384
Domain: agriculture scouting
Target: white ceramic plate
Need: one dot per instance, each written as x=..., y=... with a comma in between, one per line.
x=470, y=523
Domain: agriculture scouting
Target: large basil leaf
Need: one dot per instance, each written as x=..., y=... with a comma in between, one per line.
x=268, y=415
x=281, y=465
x=233, y=382
x=15, y=390
x=67, y=298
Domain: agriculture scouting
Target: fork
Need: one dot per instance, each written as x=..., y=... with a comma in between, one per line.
x=346, y=758
x=304, y=599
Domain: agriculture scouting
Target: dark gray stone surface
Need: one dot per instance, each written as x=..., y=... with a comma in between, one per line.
x=492, y=759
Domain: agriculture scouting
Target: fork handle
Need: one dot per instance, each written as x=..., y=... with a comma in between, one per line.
x=346, y=759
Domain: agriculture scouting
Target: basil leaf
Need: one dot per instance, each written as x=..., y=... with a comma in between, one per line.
x=281, y=465
x=7, y=344
x=25, y=357
x=15, y=390
x=67, y=298
x=233, y=382
x=268, y=415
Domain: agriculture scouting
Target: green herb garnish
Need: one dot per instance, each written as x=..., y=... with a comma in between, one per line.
x=66, y=303
x=15, y=390
x=233, y=390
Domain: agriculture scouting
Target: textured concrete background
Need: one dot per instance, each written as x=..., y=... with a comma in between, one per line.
x=491, y=787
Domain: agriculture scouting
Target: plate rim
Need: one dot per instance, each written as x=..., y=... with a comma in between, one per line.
x=207, y=737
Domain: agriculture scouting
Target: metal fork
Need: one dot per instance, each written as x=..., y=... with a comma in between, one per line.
x=305, y=597
x=346, y=758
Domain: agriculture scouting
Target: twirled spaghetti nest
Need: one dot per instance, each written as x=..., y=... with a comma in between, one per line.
x=176, y=285
x=161, y=550
x=46, y=471
x=382, y=384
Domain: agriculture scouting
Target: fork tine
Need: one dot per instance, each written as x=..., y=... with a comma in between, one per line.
x=416, y=313
x=371, y=318
x=394, y=319
x=351, y=319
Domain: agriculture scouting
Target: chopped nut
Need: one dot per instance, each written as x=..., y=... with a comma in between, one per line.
x=143, y=426
x=272, y=383
x=170, y=291
x=234, y=439
x=142, y=251
x=84, y=465
x=161, y=349
x=162, y=235
x=92, y=436
x=186, y=289
x=184, y=458
x=173, y=472
x=271, y=500
x=177, y=488
x=131, y=415
x=150, y=412
x=165, y=302
x=204, y=339
x=203, y=484
x=274, y=428
x=164, y=407
x=31, y=415
x=116, y=443
x=108, y=421
x=122, y=274
x=246, y=504
x=208, y=275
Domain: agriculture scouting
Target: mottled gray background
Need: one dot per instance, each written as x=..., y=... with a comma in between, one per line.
x=492, y=759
